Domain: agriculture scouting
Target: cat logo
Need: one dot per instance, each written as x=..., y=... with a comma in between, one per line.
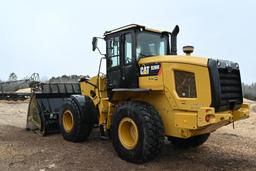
x=144, y=70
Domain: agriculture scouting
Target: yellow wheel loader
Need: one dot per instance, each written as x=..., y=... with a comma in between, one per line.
x=149, y=93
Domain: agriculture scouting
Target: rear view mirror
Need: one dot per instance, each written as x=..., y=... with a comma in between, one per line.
x=94, y=43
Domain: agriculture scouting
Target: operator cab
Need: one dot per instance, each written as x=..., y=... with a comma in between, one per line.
x=125, y=46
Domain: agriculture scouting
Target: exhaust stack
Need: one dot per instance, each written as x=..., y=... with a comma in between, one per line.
x=174, y=40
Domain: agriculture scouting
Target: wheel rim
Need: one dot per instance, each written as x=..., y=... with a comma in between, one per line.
x=68, y=121
x=128, y=133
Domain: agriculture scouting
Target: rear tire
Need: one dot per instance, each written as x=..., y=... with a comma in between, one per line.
x=137, y=132
x=76, y=124
x=191, y=142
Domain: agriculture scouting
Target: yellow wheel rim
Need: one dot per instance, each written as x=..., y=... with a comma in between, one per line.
x=128, y=133
x=68, y=121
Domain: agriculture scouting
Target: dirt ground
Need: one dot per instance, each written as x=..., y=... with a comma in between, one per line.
x=226, y=149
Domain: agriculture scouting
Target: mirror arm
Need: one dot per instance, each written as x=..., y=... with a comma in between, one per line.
x=100, y=52
x=98, y=75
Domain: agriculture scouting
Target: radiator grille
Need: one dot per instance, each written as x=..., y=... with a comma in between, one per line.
x=226, y=85
x=230, y=87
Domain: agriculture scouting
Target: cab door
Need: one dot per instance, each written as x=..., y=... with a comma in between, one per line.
x=122, y=67
x=114, y=67
x=129, y=63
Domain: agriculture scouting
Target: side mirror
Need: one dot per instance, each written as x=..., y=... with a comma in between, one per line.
x=94, y=43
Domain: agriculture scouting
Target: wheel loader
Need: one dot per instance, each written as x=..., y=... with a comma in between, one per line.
x=148, y=95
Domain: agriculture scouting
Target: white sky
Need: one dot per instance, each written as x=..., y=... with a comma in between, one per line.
x=53, y=37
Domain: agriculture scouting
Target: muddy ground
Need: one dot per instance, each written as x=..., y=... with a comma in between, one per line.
x=226, y=149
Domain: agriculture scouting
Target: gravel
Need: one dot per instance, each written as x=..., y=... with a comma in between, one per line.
x=226, y=149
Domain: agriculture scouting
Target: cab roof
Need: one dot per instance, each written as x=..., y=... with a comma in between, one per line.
x=131, y=26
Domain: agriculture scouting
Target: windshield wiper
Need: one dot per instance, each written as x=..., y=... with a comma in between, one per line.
x=143, y=55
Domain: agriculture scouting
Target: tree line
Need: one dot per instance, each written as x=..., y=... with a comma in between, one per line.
x=65, y=79
x=249, y=91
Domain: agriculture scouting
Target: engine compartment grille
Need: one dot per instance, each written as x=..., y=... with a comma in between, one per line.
x=230, y=87
x=225, y=85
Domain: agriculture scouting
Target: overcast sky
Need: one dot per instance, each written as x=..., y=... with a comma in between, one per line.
x=53, y=37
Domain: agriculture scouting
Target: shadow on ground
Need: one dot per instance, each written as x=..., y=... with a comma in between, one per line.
x=23, y=150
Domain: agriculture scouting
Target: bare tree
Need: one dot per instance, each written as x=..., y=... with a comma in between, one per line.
x=13, y=77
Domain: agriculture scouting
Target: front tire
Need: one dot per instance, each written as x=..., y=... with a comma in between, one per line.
x=76, y=124
x=137, y=132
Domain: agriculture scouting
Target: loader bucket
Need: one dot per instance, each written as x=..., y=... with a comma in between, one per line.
x=46, y=104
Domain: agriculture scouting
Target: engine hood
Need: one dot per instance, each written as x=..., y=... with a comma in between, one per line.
x=201, y=61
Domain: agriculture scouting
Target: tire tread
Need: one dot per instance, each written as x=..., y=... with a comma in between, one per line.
x=152, y=128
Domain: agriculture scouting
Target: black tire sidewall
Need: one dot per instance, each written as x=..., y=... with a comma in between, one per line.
x=133, y=153
x=75, y=113
x=150, y=129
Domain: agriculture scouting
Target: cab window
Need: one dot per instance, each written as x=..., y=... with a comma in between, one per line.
x=151, y=44
x=128, y=48
x=113, y=52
